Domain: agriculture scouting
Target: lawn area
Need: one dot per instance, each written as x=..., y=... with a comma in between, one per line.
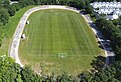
x=9, y=30
x=58, y=41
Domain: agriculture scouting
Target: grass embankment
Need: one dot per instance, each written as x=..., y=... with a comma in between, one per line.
x=10, y=28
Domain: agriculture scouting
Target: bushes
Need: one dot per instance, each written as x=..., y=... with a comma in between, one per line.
x=111, y=32
x=4, y=16
x=28, y=75
x=16, y=6
x=11, y=10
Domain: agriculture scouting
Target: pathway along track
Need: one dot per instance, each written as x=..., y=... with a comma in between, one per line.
x=109, y=54
x=13, y=50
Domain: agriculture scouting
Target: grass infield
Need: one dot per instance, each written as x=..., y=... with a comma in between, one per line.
x=58, y=41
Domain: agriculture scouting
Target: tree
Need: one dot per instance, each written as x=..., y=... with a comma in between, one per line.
x=9, y=70
x=98, y=63
x=1, y=33
x=66, y=78
x=111, y=32
x=11, y=9
x=4, y=2
x=89, y=9
x=86, y=76
x=37, y=2
x=0, y=3
x=4, y=16
x=82, y=4
x=16, y=6
x=28, y=75
x=24, y=3
x=12, y=72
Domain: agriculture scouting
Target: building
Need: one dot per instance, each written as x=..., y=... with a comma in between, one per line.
x=111, y=9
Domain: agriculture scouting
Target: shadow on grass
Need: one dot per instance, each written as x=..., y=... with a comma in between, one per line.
x=99, y=62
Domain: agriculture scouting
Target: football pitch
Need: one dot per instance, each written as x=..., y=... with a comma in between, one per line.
x=58, y=41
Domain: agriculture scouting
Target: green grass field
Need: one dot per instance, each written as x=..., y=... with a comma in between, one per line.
x=58, y=41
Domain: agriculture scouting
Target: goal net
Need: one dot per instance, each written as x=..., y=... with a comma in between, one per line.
x=62, y=55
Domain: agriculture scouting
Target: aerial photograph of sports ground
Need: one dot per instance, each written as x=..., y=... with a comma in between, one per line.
x=60, y=40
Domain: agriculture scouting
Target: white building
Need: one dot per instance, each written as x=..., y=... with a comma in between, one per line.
x=106, y=4
x=113, y=9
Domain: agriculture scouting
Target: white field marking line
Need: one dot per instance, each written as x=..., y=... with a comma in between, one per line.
x=31, y=36
x=35, y=29
x=76, y=43
x=89, y=41
x=42, y=32
x=68, y=33
x=59, y=30
x=107, y=59
x=73, y=50
x=86, y=20
x=69, y=40
x=45, y=29
x=49, y=26
x=82, y=36
x=54, y=55
x=88, y=47
x=51, y=32
x=40, y=49
x=60, y=39
x=87, y=36
x=40, y=52
x=23, y=22
x=30, y=43
x=60, y=33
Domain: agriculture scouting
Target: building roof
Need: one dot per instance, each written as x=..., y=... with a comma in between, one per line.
x=110, y=8
x=106, y=4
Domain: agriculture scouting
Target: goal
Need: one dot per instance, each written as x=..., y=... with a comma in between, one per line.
x=62, y=55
